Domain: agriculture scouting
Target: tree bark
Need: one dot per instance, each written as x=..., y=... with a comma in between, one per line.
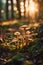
x=0, y=10
x=12, y=11
x=18, y=6
x=7, y=14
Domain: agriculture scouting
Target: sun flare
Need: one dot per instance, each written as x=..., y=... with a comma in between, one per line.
x=33, y=8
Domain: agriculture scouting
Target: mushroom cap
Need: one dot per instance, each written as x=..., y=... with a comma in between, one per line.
x=1, y=39
x=28, y=32
x=27, y=28
x=17, y=33
x=11, y=29
x=24, y=26
x=21, y=28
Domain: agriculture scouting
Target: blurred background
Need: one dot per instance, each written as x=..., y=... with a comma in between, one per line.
x=21, y=9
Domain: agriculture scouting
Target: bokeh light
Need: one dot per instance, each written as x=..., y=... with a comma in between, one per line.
x=33, y=8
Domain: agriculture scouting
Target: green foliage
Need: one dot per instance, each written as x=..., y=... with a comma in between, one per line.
x=36, y=47
x=40, y=28
x=16, y=57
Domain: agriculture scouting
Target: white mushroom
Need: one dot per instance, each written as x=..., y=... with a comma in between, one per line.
x=28, y=32
x=11, y=29
x=23, y=27
x=17, y=33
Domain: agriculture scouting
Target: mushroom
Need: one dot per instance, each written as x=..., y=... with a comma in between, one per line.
x=1, y=40
x=27, y=37
x=28, y=32
x=23, y=27
x=11, y=30
x=17, y=34
x=22, y=40
x=15, y=40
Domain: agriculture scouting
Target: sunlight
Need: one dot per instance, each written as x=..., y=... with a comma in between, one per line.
x=15, y=8
x=22, y=8
x=22, y=3
x=14, y=1
x=9, y=8
x=2, y=11
x=4, y=1
x=33, y=8
x=9, y=22
x=9, y=2
x=22, y=14
x=26, y=7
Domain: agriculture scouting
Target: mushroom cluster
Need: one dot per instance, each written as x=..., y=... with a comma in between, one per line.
x=22, y=36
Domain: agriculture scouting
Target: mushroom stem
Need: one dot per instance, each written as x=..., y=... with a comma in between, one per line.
x=18, y=42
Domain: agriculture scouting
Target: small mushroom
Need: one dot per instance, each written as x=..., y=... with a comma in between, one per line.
x=17, y=33
x=1, y=40
x=28, y=32
x=23, y=27
x=22, y=40
x=11, y=29
x=15, y=40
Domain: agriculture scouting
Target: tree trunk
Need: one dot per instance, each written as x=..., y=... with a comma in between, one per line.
x=0, y=10
x=18, y=6
x=12, y=12
x=0, y=16
x=7, y=14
